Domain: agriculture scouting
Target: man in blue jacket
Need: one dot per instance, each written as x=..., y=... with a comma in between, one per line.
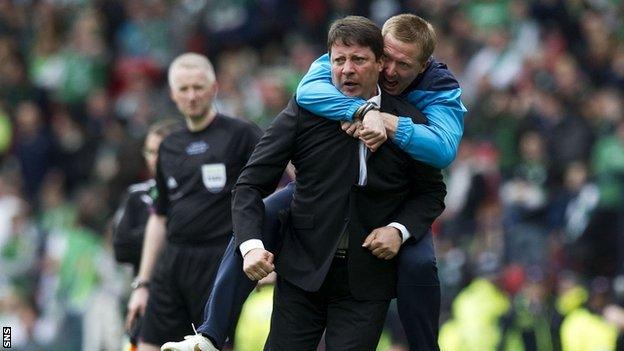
x=410, y=71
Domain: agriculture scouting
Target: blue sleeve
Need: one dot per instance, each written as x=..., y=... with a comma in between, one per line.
x=317, y=94
x=434, y=143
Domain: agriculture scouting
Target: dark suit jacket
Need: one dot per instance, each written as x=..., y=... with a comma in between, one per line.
x=327, y=199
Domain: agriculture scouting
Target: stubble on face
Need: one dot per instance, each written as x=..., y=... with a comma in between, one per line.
x=401, y=65
x=192, y=93
x=355, y=70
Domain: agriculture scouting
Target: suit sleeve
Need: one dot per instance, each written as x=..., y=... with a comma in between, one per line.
x=424, y=203
x=261, y=175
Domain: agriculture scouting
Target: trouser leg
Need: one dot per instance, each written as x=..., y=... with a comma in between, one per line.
x=418, y=294
x=232, y=287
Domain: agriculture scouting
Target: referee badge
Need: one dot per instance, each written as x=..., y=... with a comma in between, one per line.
x=214, y=177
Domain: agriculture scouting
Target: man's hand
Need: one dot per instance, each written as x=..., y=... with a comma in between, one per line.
x=352, y=128
x=391, y=123
x=373, y=132
x=384, y=242
x=136, y=305
x=258, y=263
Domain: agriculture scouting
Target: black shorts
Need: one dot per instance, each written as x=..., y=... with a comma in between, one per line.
x=180, y=286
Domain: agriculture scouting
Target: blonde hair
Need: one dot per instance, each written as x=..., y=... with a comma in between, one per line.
x=192, y=60
x=412, y=29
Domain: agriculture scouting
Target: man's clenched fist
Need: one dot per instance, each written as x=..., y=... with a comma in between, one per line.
x=258, y=263
x=384, y=242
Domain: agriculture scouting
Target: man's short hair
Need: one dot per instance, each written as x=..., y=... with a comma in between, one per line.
x=192, y=60
x=410, y=28
x=356, y=30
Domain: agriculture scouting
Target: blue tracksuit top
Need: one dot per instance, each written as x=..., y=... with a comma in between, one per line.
x=435, y=92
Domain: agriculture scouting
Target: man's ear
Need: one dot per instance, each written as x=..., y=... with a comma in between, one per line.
x=215, y=89
x=423, y=67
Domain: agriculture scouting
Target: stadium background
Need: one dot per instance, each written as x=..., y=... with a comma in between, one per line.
x=534, y=225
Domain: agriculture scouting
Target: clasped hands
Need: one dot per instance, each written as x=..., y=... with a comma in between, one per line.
x=383, y=242
x=370, y=130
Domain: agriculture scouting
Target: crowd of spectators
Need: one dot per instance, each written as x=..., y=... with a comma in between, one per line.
x=534, y=227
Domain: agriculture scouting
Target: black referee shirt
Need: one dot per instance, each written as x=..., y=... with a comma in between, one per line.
x=195, y=175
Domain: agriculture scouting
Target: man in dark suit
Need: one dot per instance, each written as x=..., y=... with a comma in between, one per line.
x=349, y=211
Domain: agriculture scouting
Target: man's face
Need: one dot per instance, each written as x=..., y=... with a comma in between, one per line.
x=150, y=151
x=355, y=70
x=401, y=65
x=192, y=92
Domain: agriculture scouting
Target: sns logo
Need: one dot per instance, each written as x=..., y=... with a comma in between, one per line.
x=6, y=337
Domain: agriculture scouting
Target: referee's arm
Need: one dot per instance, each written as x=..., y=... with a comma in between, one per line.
x=155, y=234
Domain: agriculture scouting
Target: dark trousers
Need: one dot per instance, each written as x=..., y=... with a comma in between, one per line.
x=418, y=287
x=300, y=317
x=232, y=287
x=418, y=294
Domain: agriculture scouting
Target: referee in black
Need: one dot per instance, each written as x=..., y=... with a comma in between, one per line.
x=191, y=225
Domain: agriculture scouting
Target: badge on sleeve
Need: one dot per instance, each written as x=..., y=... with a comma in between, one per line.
x=214, y=177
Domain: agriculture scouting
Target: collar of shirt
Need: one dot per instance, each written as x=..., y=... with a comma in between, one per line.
x=377, y=98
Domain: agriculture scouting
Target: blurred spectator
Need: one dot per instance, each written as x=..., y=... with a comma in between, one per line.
x=606, y=228
x=75, y=151
x=10, y=202
x=56, y=212
x=134, y=103
x=45, y=61
x=145, y=34
x=80, y=272
x=498, y=119
x=525, y=198
x=97, y=114
x=496, y=66
x=472, y=177
x=608, y=165
x=567, y=136
x=570, y=83
x=272, y=97
x=476, y=313
x=6, y=133
x=615, y=75
x=15, y=86
x=585, y=328
x=570, y=296
x=20, y=252
x=527, y=324
x=34, y=146
x=84, y=59
x=571, y=211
